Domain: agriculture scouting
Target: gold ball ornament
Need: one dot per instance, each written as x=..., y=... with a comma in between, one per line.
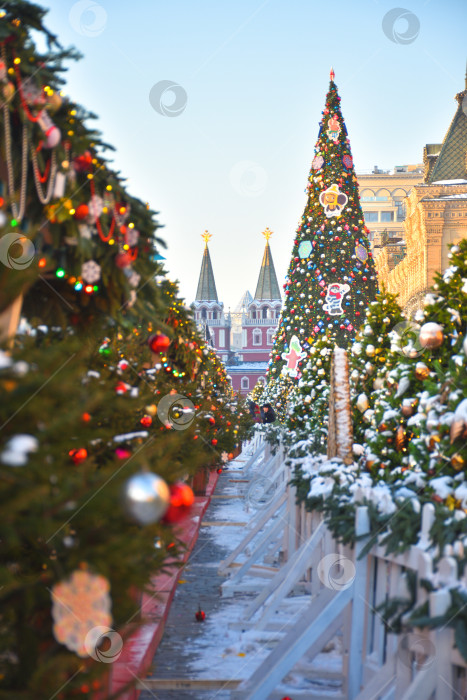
x=407, y=409
x=458, y=462
x=362, y=403
x=400, y=438
x=54, y=102
x=431, y=335
x=421, y=371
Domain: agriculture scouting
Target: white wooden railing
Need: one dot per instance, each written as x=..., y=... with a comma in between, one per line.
x=343, y=590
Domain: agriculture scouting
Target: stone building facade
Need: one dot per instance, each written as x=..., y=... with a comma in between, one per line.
x=436, y=215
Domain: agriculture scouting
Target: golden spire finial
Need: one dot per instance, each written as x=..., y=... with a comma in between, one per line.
x=206, y=236
x=267, y=233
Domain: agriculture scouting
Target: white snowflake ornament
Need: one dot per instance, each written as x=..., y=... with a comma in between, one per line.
x=91, y=272
x=95, y=206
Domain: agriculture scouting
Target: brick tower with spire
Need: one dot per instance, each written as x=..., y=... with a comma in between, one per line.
x=243, y=339
x=259, y=319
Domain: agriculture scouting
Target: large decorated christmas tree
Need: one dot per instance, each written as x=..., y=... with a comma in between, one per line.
x=331, y=277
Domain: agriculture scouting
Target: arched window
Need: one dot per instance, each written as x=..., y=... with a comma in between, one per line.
x=253, y=314
x=262, y=380
x=270, y=335
x=214, y=315
x=265, y=312
x=245, y=383
x=257, y=337
x=204, y=313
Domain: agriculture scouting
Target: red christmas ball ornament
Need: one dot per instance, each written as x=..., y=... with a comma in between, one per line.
x=123, y=260
x=220, y=470
x=121, y=388
x=78, y=455
x=200, y=615
x=83, y=163
x=181, y=499
x=214, y=441
x=146, y=421
x=231, y=455
x=81, y=212
x=86, y=417
x=158, y=342
x=211, y=420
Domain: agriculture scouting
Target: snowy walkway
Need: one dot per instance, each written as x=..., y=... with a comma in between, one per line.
x=210, y=650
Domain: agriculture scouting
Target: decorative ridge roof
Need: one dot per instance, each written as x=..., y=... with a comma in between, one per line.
x=206, y=285
x=267, y=288
x=451, y=161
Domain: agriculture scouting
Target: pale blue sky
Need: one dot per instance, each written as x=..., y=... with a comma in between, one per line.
x=255, y=74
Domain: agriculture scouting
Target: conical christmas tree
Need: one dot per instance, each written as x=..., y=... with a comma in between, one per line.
x=331, y=277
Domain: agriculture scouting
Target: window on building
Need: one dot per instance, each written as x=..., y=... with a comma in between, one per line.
x=270, y=335
x=257, y=337
x=262, y=380
x=204, y=313
x=224, y=358
x=245, y=383
x=222, y=339
x=387, y=216
x=370, y=216
x=278, y=313
x=253, y=314
x=265, y=312
x=240, y=358
x=214, y=315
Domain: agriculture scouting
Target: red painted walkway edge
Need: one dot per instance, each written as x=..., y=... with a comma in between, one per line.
x=140, y=645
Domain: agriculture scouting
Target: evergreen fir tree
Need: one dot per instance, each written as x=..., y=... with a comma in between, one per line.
x=424, y=387
x=309, y=399
x=372, y=355
x=331, y=277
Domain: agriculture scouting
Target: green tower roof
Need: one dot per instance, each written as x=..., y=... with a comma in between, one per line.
x=267, y=287
x=206, y=285
x=451, y=162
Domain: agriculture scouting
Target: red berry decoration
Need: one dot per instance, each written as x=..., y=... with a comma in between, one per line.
x=181, y=499
x=158, y=342
x=146, y=421
x=78, y=455
x=200, y=615
x=81, y=212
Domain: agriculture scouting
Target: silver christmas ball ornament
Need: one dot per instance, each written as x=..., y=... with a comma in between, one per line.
x=146, y=498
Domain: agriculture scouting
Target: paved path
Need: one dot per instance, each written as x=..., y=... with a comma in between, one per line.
x=200, y=585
